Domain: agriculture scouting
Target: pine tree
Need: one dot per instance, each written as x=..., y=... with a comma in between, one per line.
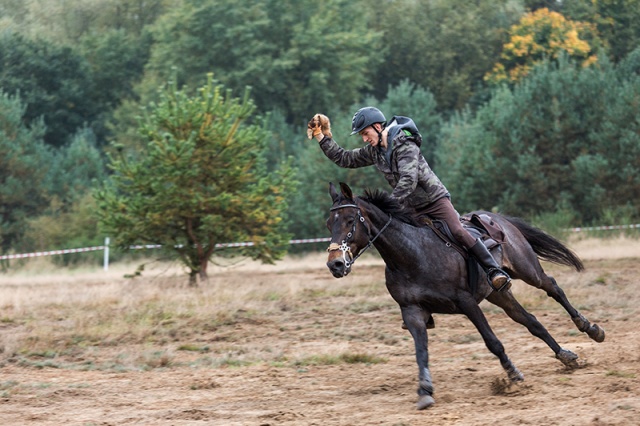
x=200, y=182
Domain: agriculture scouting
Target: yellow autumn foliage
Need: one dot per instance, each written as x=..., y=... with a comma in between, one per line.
x=541, y=34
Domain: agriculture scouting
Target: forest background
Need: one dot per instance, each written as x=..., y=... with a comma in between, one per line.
x=530, y=108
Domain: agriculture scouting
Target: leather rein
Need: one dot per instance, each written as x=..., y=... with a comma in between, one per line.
x=344, y=245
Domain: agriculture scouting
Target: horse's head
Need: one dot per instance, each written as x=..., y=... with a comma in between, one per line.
x=350, y=232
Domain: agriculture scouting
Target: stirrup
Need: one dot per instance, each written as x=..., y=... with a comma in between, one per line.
x=499, y=279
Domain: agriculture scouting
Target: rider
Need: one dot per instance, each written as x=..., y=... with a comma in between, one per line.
x=394, y=149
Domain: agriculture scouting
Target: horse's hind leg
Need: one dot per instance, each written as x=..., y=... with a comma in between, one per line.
x=516, y=312
x=553, y=290
x=594, y=331
x=524, y=265
x=471, y=309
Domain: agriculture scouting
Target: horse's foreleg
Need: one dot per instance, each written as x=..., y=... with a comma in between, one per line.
x=519, y=314
x=470, y=308
x=415, y=319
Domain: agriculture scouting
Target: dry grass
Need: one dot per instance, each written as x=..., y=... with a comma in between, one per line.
x=62, y=318
x=50, y=316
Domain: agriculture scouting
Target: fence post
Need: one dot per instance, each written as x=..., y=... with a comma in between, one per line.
x=106, y=253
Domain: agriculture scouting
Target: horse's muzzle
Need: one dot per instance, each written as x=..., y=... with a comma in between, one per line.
x=338, y=267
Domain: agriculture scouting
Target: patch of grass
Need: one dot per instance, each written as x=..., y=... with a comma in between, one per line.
x=366, y=306
x=624, y=407
x=7, y=388
x=204, y=384
x=157, y=359
x=232, y=362
x=387, y=339
x=317, y=360
x=465, y=338
x=359, y=358
x=309, y=293
x=193, y=348
x=622, y=374
x=43, y=354
x=600, y=279
x=80, y=386
x=25, y=361
x=8, y=384
x=42, y=385
x=273, y=296
x=341, y=292
x=151, y=313
x=47, y=364
x=345, y=358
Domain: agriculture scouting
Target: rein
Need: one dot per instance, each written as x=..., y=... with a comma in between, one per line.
x=344, y=246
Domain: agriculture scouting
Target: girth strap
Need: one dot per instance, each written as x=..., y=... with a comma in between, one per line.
x=448, y=241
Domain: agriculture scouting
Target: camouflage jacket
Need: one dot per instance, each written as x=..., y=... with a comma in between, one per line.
x=402, y=163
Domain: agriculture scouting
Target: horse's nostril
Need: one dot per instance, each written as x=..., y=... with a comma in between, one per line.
x=336, y=267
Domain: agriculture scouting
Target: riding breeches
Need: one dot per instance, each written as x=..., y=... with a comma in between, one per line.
x=443, y=209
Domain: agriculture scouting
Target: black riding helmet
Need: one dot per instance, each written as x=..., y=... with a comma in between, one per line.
x=365, y=117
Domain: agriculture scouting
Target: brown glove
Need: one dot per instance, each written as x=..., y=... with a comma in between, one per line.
x=319, y=124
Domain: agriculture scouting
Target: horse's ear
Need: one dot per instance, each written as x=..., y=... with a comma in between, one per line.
x=346, y=191
x=333, y=192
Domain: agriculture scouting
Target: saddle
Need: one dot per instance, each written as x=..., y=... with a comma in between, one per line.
x=480, y=226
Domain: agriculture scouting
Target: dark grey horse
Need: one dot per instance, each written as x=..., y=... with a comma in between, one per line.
x=425, y=276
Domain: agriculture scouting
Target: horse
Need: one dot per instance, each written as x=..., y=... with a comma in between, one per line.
x=426, y=276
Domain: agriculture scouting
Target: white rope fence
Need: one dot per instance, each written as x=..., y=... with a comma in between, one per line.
x=226, y=245
x=604, y=228
x=51, y=253
x=105, y=247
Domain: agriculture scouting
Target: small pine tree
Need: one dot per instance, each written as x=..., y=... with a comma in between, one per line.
x=201, y=181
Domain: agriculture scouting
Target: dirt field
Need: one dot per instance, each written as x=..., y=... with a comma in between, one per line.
x=291, y=345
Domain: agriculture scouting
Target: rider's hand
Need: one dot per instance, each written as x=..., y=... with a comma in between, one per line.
x=319, y=125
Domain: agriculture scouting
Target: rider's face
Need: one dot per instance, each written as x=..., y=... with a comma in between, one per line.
x=370, y=134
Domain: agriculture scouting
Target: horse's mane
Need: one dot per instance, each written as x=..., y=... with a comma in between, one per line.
x=385, y=202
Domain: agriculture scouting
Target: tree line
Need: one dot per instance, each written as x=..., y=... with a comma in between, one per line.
x=527, y=107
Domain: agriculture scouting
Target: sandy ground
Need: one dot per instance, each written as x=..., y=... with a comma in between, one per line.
x=294, y=386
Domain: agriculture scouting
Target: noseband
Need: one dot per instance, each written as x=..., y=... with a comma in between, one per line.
x=344, y=245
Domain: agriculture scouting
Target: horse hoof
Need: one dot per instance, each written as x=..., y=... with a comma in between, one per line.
x=514, y=374
x=425, y=401
x=596, y=333
x=568, y=358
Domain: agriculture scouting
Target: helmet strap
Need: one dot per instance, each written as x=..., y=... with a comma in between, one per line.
x=379, y=132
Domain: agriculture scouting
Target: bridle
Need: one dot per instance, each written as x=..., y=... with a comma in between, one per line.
x=344, y=245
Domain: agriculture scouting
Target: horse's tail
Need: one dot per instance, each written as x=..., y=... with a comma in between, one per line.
x=545, y=246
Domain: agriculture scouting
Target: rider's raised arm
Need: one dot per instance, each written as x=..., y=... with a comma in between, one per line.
x=319, y=128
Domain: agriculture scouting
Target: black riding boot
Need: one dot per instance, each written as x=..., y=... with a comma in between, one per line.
x=498, y=278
